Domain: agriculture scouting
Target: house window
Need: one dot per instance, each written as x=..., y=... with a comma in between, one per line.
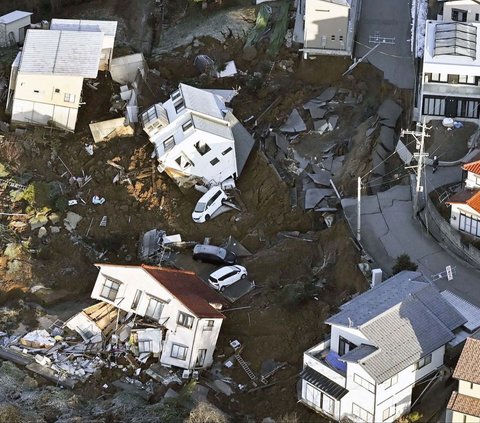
x=202, y=354
x=57, y=90
x=176, y=95
x=179, y=106
x=344, y=346
x=340, y=37
x=185, y=319
x=434, y=106
x=202, y=147
x=154, y=309
x=462, y=79
x=459, y=15
x=136, y=299
x=389, y=412
x=179, y=351
x=477, y=17
x=36, y=91
x=69, y=98
x=110, y=289
x=424, y=361
x=168, y=144
x=362, y=414
x=392, y=381
x=145, y=346
x=319, y=399
x=183, y=162
x=214, y=161
x=208, y=325
x=187, y=125
x=364, y=383
x=225, y=152
x=333, y=37
x=469, y=225
x=471, y=385
x=453, y=79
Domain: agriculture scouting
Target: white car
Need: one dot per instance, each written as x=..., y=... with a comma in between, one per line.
x=208, y=204
x=226, y=276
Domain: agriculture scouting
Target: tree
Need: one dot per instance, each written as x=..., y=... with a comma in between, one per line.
x=205, y=412
x=403, y=262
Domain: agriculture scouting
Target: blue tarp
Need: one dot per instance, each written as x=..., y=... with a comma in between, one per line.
x=332, y=358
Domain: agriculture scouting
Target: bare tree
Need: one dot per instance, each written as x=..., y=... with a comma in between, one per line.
x=205, y=412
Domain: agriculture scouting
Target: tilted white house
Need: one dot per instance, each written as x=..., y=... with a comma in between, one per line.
x=327, y=27
x=451, y=71
x=47, y=76
x=13, y=27
x=184, y=306
x=108, y=28
x=465, y=205
x=196, y=137
x=381, y=344
x=464, y=404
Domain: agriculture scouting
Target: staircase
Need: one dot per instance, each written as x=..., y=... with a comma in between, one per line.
x=245, y=367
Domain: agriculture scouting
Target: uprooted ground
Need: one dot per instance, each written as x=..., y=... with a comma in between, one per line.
x=300, y=280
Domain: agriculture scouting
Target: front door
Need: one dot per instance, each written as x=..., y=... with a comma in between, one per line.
x=312, y=395
x=451, y=107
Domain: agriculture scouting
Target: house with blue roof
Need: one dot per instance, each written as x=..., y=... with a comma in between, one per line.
x=382, y=343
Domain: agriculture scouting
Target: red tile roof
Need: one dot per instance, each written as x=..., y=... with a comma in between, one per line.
x=464, y=404
x=468, y=366
x=473, y=167
x=471, y=198
x=188, y=288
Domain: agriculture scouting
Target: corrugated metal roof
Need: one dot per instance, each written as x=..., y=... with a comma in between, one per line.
x=202, y=101
x=468, y=367
x=403, y=335
x=212, y=126
x=14, y=16
x=61, y=53
x=471, y=312
x=187, y=287
x=109, y=28
x=473, y=167
x=323, y=383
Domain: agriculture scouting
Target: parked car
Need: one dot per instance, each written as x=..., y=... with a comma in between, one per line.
x=213, y=254
x=208, y=204
x=226, y=276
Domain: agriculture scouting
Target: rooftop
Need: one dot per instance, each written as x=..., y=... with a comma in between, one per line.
x=109, y=28
x=456, y=38
x=468, y=366
x=468, y=197
x=202, y=101
x=61, y=53
x=464, y=404
x=473, y=167
x=188, y=288
x=14, y=16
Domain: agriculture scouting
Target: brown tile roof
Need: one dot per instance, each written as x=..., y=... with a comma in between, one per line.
x=464, y=404
x=469, y=197
x=188, y=288
x=468, y=366
x=473, y=167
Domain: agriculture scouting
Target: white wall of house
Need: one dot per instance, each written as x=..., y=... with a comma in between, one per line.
x=38, y=99
x=472, y=181
x=351, y=334
x=456, y=210
x=133, y=279
x=470, y=389
x=466, y=11
x=320, y=401
x=362, y=389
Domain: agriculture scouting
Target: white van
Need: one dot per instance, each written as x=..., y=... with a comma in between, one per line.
x=210, y=202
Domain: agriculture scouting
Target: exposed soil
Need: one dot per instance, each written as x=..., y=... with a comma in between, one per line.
x=300, y=281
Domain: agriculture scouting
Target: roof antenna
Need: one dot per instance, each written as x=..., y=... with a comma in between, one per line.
x=350, y=322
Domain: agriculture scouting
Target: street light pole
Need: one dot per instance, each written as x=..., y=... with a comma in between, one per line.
x=359, y=207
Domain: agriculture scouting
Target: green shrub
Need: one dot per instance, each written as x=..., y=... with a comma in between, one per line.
x=403, y=262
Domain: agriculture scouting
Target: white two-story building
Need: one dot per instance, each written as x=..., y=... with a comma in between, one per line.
x=464, y=404
x=182, y=305
x=196, y=137
x=381, y=344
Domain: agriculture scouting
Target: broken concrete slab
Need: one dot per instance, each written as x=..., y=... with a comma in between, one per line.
x=199, y=393
x=231, y=244
x=38, y=221
x=321, y=100
x=322, y=177
x=317, y=112
x=313, y=196
x=318, y=124
x=281, y=142
x=332, y=120
x=294, y=123
x=337, y=164
x=42, y=232
x=71, y=221
x=389, y=112
x=112, y=128
x=387, y=139
x=222, y=387
x=124, y=69
x=163, y=375
x=378, y=165
x=322, y=126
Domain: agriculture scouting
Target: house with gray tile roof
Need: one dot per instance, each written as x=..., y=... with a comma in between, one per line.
x=196, y=137
x=381, y=344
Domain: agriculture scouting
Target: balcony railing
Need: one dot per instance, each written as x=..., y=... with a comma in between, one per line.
x=450, y=89
x=315, y=358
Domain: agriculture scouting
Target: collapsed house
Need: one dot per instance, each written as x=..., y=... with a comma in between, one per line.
x=13, y=27
x=165, y=313
x=196, y=137
x=47, y=76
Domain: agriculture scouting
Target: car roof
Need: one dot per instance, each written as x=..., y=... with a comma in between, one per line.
x=224, y=270
x=209, y=194
x=209, y=249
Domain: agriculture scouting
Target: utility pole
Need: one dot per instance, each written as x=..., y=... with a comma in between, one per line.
x=359, y=207
x=420, y=156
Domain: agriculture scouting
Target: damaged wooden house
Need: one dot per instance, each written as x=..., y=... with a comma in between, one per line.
x=197, y=138
x=47, y=75
x=166, y=313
